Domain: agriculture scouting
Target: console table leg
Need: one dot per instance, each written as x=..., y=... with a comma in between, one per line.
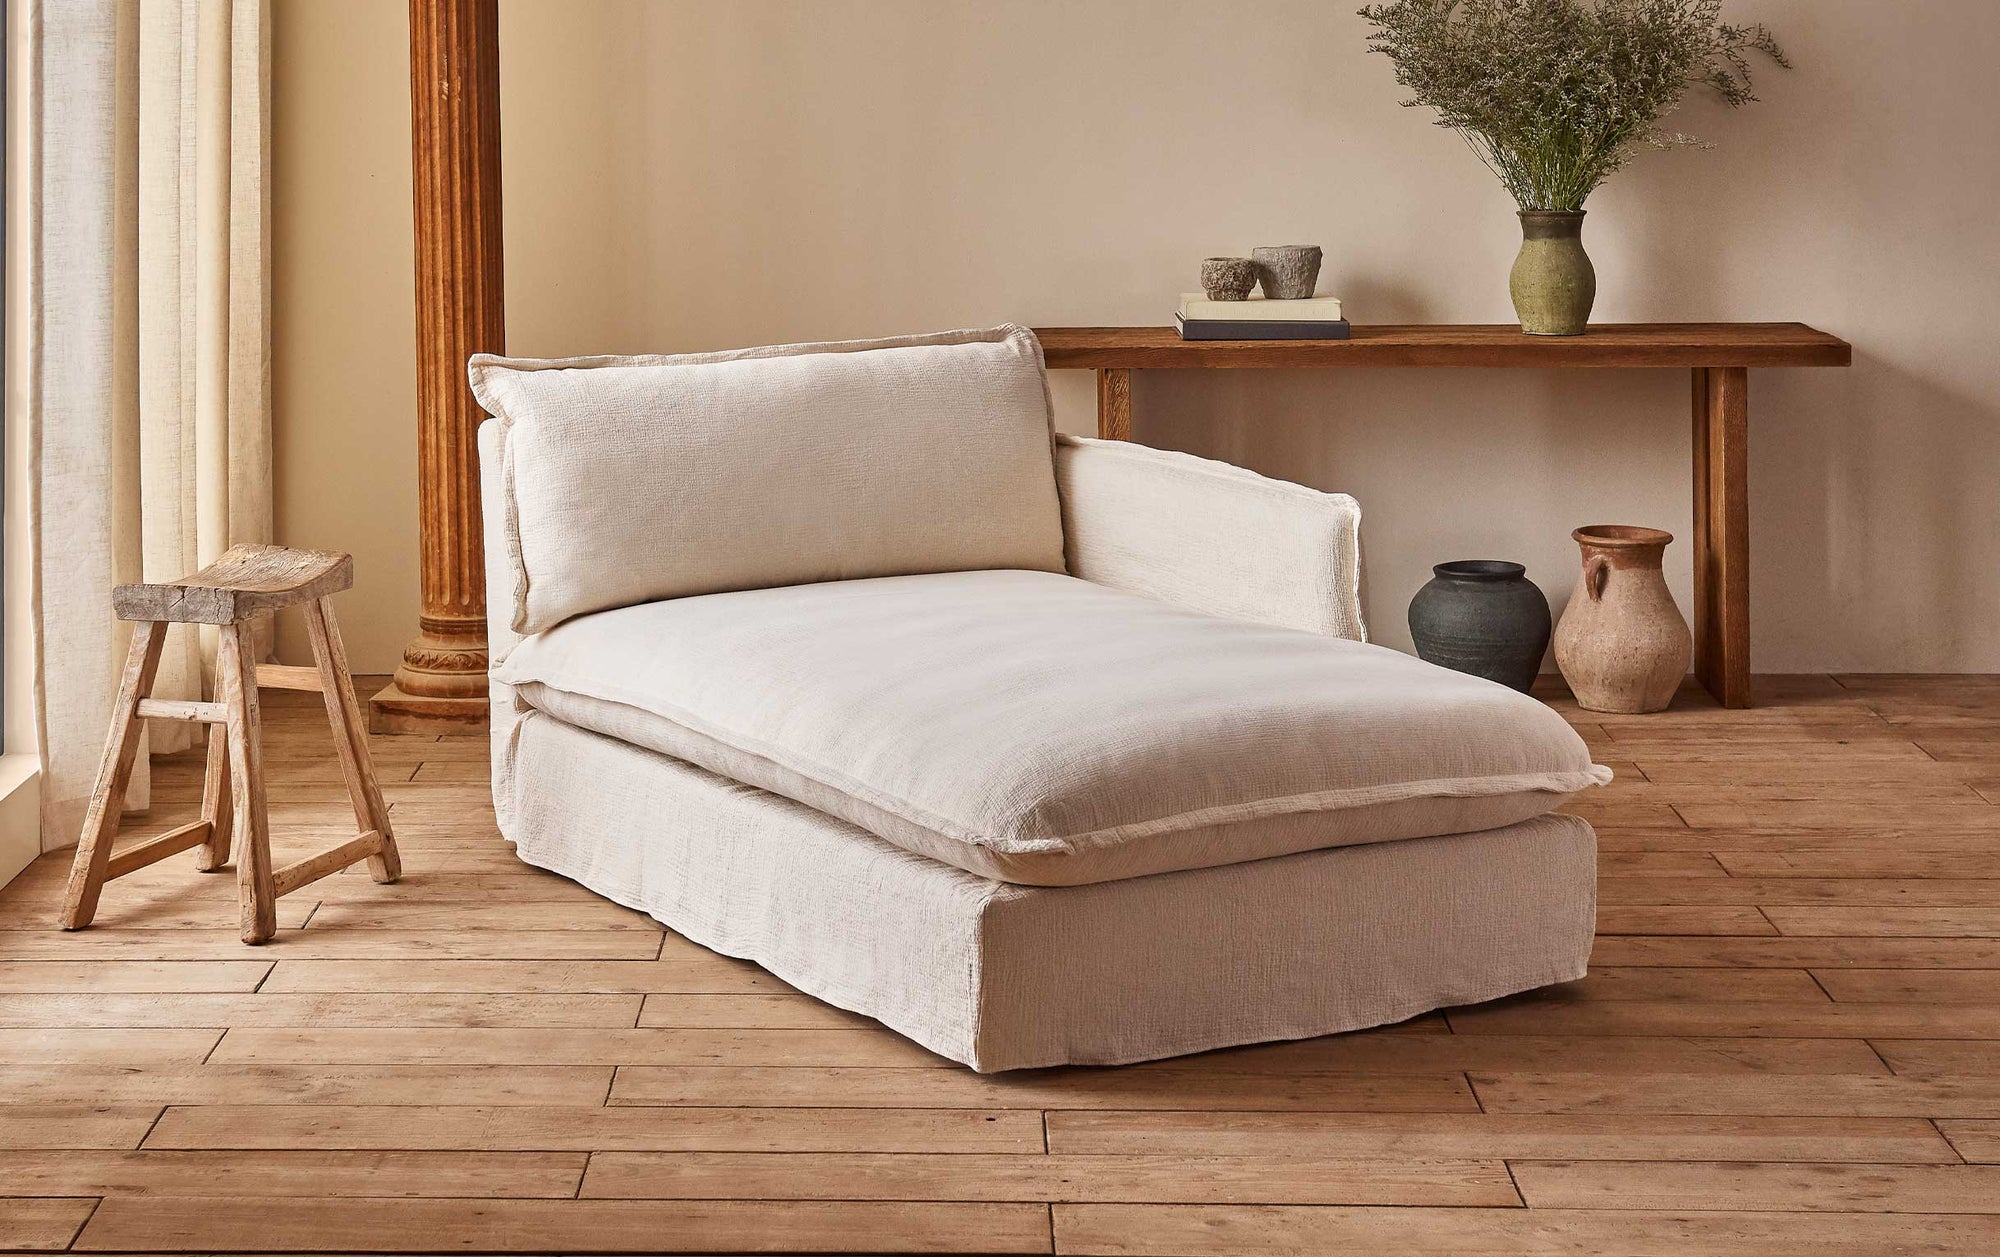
x=1722, y=533
x=1114, y=403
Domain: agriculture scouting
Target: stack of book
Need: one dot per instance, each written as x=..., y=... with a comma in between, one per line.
x=1308, y=318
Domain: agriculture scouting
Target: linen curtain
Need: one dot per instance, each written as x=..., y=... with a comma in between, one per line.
x=149, y=389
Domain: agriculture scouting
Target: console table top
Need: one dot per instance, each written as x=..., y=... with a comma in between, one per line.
x=1459, y=345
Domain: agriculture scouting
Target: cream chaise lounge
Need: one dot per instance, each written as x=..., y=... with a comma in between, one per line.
x=1039, y=750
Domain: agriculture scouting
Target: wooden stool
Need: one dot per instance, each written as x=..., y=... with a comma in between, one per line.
x=228, y=593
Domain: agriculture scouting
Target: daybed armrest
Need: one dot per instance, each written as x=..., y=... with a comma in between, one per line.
x=1210, y=536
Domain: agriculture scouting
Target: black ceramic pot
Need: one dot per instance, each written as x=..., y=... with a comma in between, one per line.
x=1483, y=617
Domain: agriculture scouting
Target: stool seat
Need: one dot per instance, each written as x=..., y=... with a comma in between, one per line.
x=245, y=581
x=227, y=593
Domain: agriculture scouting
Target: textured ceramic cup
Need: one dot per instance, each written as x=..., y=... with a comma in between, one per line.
x=1228, y=279
x=1287, y=272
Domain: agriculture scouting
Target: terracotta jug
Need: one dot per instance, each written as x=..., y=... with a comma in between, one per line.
x=1622, y=644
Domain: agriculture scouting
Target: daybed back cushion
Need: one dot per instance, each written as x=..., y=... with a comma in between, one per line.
x=629, y=480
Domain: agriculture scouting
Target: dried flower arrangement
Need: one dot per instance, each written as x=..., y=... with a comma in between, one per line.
x=1556, y=95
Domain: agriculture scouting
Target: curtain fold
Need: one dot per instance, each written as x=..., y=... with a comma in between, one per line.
x=150, y=390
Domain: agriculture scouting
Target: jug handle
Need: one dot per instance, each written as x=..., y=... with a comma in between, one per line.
x=1596, y=570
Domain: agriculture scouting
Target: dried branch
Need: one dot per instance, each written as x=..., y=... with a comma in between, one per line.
x=1556, y=95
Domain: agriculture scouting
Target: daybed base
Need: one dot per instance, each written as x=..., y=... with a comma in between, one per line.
x=1000, y=976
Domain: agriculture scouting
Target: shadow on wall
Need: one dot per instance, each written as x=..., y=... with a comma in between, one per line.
x=1874, y=518
x=1449, y=464
x=1856, y=198
x=1873, y=507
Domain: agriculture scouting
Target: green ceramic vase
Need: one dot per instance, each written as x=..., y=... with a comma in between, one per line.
x=1553, y=282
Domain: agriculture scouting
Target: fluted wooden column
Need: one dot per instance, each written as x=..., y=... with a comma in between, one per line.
x=455, y=132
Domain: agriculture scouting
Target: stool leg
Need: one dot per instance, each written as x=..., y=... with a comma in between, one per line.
x=107, y=796
x=236, y=672
x=213, y=854
x=350, y=738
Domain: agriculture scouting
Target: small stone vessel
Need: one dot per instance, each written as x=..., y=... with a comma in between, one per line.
x=1553, y=283
x=1622, y=644
x=1484, y=617
x=1228, y=279
x=1287, y=272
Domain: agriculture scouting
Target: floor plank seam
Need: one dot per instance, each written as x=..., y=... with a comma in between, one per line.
x=150, y=1128
x=77, y=1234
x=1956, y=1151
x=1882, y=1056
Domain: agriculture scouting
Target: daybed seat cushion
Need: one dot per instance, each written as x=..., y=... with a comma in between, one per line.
x=1035, y=728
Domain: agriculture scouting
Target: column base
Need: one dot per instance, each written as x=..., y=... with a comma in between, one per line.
x=392, y=710
x=440, y=687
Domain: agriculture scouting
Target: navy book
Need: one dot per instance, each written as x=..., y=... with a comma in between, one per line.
x=1260, y=329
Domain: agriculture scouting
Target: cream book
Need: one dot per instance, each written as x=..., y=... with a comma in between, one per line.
x=1261, y=310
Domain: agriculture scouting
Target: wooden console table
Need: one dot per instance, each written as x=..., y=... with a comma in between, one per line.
x=1719, y=355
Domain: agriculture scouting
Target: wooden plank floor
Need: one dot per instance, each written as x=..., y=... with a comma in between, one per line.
x=1789, y=1042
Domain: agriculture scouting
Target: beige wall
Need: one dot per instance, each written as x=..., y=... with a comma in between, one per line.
x=688, y=175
